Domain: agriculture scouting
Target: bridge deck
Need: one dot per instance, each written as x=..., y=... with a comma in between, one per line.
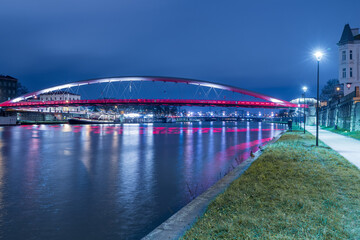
x=172, y=102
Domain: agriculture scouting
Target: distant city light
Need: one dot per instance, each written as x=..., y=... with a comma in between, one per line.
x=132, y=115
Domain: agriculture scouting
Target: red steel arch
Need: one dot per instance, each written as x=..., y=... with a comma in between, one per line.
x=275, y=101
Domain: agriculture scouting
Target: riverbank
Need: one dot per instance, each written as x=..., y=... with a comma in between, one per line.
x=354, y=134
x=294, y=190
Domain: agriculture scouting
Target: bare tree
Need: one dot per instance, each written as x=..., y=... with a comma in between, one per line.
x=329, y=90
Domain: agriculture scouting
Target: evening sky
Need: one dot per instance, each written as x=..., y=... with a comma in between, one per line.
x=265, y=46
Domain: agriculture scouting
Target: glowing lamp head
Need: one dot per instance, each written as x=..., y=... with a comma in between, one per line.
x=338, y=89
x=318, y=55
x=304, y=89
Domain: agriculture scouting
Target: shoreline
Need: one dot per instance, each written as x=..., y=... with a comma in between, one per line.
x=175, y=226
x=294, y=190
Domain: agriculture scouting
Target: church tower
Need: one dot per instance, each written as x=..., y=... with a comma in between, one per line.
x=349, y=62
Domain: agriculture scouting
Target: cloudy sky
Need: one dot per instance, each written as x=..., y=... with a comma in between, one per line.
x=264, y=46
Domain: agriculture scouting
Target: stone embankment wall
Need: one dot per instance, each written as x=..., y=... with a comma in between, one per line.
x=343, y=112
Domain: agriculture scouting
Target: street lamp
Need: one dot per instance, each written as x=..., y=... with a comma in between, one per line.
x=318, y=56
x=337, y=105
x=304, y=89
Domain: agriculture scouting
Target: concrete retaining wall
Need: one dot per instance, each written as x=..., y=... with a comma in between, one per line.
x=343, y=112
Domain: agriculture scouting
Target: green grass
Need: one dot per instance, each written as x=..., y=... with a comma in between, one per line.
x=297, y=128
x=293, y=191
x=354, y=134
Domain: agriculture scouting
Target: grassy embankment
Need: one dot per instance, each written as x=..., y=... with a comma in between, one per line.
x=293, y=191
x=355, y=134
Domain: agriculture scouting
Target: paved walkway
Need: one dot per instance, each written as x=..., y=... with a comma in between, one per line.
x=348, y=147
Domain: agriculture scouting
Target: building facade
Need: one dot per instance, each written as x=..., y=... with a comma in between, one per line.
x=343, y=111
x=60, y=96
x=310, y=112
x=349, y=59
x=8, y=87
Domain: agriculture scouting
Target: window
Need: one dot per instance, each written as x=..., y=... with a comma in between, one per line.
x=350, y=55
x=350, y=72
x=344, y=73
x=343, y=55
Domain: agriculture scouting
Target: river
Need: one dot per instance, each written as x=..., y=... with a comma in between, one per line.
x=113, y=181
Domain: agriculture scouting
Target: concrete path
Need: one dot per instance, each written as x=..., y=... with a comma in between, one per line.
x=348, y=147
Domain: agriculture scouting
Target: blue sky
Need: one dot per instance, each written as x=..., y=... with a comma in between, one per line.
x=264, y=46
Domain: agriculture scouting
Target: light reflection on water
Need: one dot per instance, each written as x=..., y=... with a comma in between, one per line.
x=112, y=181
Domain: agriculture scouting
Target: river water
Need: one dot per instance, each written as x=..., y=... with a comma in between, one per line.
x=112, y=181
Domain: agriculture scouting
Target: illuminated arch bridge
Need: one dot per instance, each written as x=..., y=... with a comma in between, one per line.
x=135, y=91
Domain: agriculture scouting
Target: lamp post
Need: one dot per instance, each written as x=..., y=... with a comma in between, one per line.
x=337, y=105
x=318, y=56
x=304, y=89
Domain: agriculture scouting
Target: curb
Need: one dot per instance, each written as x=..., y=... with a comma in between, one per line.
x=181, y=221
